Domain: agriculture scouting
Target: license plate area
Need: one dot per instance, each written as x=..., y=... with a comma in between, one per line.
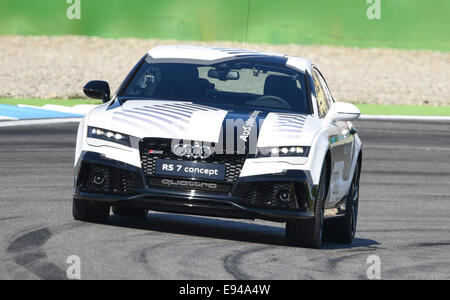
x=190, y=169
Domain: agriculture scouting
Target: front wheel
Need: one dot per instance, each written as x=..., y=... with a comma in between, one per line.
x=308, y=233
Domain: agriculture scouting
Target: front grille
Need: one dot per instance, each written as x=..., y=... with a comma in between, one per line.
x=266, y=195
x=114, y=181
x=233, y=162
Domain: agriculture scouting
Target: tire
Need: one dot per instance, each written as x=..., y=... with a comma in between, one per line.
x=131, y=212
x=308, y=233
x=343, y=230
x=90, y=211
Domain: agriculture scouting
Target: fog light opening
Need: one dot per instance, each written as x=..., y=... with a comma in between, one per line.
x=284, y=196
x=99, y=179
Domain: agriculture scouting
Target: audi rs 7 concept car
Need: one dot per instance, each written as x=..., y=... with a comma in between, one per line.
x=220, y=132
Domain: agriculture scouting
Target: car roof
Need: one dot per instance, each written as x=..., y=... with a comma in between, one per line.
x=203, y=53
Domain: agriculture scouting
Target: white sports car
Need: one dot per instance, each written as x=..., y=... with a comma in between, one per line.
x=221, y=132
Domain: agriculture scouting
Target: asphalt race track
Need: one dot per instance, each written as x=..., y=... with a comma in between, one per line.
x=404, y=219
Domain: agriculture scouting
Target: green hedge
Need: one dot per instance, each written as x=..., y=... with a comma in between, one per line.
x=410, y=24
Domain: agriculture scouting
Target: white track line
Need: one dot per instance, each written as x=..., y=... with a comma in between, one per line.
x=39, y=122
x=405, y=118
x=404, y=147
x=2, y=118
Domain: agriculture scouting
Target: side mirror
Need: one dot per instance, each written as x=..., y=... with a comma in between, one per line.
x=97, y=90
x=341, y=111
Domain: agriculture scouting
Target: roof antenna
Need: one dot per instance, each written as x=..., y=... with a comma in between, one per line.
x=246, y=30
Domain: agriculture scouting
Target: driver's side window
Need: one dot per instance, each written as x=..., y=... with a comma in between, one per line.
x=323, y=104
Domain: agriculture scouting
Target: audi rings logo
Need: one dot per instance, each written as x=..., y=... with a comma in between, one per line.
x=192, y=151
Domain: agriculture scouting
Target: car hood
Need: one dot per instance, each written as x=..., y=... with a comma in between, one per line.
x=207, y=123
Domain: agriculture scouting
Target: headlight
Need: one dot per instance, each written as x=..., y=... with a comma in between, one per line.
x=285, y=151
x=108, y=135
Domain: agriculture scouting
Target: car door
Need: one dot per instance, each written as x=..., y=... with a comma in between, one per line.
x=341, y=143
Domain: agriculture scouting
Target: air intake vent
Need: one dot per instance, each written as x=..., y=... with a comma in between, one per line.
x=102, y=179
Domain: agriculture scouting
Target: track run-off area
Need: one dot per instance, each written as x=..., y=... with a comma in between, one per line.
x=404, y=218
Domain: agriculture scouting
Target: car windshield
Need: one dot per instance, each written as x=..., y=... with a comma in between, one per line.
x=236, y=82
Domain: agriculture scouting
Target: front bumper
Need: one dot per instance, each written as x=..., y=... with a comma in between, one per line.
x=234, y=203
